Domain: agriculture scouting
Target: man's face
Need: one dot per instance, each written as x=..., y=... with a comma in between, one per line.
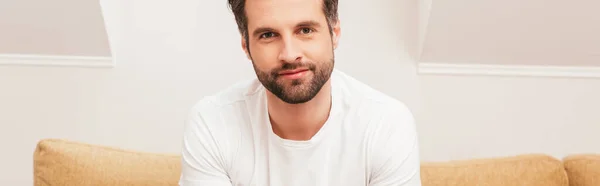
x=290, y=46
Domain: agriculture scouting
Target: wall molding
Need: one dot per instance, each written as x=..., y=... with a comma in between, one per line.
x=57, y=60
x=508, y=70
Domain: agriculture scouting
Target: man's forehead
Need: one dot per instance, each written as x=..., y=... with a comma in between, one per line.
x=283, y=11
x=283, y=2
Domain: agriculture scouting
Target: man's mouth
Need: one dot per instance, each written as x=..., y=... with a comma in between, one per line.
x=292, y=72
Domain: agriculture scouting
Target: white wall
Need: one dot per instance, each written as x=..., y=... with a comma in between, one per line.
x=479, y=116
x=58, y=27
x=170, y=54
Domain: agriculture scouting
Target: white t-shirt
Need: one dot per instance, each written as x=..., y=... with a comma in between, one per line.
x=369, y=139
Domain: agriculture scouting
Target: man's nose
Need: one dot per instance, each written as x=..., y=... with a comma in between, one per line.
x=290, y=51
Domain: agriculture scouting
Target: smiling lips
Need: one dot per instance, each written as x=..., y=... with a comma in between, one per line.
x=293, y=74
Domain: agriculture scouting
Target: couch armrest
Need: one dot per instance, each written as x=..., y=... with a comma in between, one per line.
x=583, y=169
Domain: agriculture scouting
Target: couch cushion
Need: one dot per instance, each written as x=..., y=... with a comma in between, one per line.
x=583, y=169
x=530, y=170
x=61, y=162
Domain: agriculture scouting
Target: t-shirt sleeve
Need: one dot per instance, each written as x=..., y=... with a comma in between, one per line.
x=202, y=159
x=395, y=154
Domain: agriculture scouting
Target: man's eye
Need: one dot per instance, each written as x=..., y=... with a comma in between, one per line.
x=306, y=30
x=267, y=35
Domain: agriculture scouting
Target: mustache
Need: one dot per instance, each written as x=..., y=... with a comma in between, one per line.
x=293, y=66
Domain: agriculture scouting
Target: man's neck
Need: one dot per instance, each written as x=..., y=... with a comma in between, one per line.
x=300, y=121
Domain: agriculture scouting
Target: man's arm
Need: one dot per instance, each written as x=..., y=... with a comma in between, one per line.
x=396, y=159
x=202, y=160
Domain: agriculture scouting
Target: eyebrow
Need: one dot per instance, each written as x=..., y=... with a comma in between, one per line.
x=260, y=30
x=310, y=23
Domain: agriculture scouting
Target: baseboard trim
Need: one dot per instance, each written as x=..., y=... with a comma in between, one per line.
x=57, y=60
x=508, y=70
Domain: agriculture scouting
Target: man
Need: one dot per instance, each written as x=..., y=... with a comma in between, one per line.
x=300, y=123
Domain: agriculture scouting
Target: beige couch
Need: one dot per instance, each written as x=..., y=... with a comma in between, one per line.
x=66, y=163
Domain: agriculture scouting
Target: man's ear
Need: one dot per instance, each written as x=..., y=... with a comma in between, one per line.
x=336, y=33
x=245, y=48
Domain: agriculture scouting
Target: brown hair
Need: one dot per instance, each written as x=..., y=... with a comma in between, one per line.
x=330, y=9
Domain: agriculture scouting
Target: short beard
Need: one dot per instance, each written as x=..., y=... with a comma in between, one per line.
x=300, y=91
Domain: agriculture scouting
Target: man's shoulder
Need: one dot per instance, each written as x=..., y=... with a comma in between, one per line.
x=365, y=96
x=229, y=96
x=372, y=110
x=224, y=113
